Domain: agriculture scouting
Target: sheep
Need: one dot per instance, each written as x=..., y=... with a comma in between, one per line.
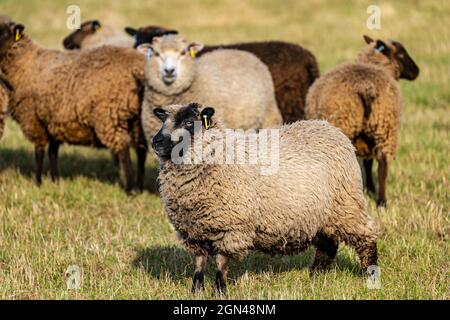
x=293, y=68
x=315, y=198
x=236, y=82
x=363, y=99
x=92, y=34
x=89, y=97
x=5, y=88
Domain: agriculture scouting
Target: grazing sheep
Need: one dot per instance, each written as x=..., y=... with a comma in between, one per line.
x=315, y=198
x=5, y=88
x=236, y=82
x=92, y=34
x=147, y=34
x=292, y=67
x=88, y=97
x=363, y=100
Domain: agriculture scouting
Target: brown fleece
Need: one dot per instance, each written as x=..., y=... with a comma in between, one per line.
x=4, y=100
x=293, y=71
x=315, y=198
x=88, y=97
x=363, y=99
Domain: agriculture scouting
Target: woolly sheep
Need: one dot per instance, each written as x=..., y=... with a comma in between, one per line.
x=92, y=34
x=236, y=82
x=5, y=88
x=292, y=67
x=363, y=100
x=89, y=97
x=315, y=198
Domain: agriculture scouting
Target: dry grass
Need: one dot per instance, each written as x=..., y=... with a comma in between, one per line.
x=125, y=246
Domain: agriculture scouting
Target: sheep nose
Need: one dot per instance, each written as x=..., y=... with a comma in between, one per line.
x=169, y=71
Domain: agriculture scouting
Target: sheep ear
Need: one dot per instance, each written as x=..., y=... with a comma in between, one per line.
x=206, y=116
x=195, y=48
x=96, y=25
x=367, y=39
x=161, y=114
x=18, y=31
x=381, y=47
x=131, y=31
x=145, y=48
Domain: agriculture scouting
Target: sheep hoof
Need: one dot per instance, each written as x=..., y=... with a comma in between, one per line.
x=198, y=283
x=220, y=285
x=381, y=203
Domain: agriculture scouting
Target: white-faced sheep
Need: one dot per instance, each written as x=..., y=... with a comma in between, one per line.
x=237, y=83
x=87, y=97
x=293, y=68
x=363, y=100
x=315, y=198
x=92, y=34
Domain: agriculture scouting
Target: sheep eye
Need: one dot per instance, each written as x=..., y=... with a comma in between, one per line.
x=189, y=123
x=183, y=52
x=156, y=53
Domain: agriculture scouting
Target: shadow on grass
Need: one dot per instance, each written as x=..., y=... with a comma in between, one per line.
x=72, y=166
x=177, y=263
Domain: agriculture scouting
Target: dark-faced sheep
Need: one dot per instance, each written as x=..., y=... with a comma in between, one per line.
x=314, y=198
x=236, y=82
x=363, y=100
x=293, y=68
x=89, y=97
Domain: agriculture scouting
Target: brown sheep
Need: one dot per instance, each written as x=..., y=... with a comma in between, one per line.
x=292, y=67
x=88, y=97
x=363, y=100
x=313, y=197
x=5, y=89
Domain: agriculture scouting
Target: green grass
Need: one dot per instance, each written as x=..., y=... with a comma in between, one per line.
x=125, y=246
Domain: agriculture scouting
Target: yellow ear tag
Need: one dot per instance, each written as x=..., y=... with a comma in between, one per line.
x=206, y=122
x=192, y=52
x=18, y=35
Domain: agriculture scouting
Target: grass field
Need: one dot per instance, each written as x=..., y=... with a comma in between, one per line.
x=124, y=245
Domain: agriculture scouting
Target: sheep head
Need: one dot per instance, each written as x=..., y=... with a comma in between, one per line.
x=392, y=55
x=181, y=124
x=170, y=65
x=75, y=39
x=10, y=34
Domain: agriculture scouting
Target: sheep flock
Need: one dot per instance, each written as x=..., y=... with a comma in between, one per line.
x=149, y=89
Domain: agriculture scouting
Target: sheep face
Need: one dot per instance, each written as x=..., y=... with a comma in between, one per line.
x=171, y=64
x=75, y=39
x=147, y=34
x=391, y=54
x=179, y=121
x=10, y=34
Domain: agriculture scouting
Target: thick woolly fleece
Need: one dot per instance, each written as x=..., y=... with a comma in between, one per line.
x=88, y=97
x=4, y=100
x=236, y=83
x=363, y=100
x=316, y=194
x=293, y=70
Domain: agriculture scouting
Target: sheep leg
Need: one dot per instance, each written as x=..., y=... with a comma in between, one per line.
x=53, y=159
x=127, y=169
x=39, y=152
x=199, y=274
x=382, y=177
x=369, y=175
x=326, y=249
x=367, y=252
x=141, y=157
x=222, y=273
